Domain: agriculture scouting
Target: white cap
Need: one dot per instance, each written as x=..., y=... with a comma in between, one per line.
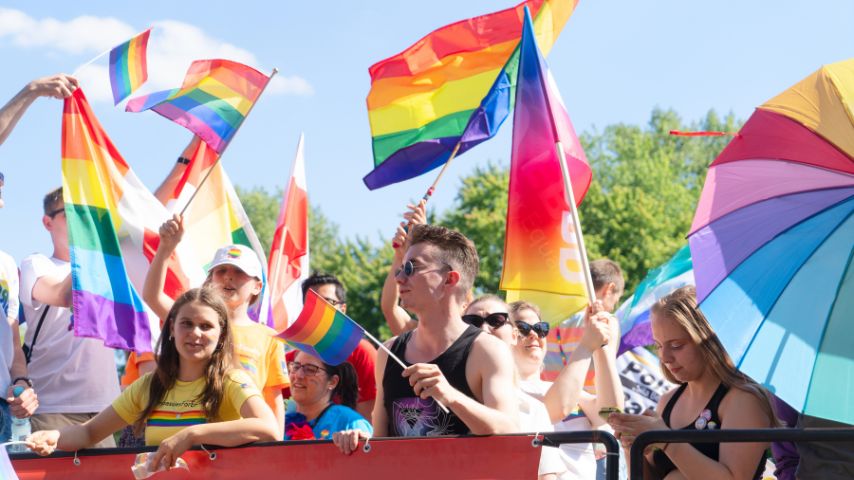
x=241, y=257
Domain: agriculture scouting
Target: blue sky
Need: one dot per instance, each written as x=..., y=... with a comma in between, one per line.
x=614, y=62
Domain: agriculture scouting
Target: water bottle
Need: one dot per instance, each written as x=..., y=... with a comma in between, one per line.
x=21, y=428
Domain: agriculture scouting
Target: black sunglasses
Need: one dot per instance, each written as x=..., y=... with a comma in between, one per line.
x=56, y=212
x=540, y=328
x=408, y=268
x=494, y=320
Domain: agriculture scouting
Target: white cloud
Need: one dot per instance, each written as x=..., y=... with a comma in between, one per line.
x=172, y=47
x=291, y=85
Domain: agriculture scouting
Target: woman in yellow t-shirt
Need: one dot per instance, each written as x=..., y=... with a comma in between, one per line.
x=194, y=396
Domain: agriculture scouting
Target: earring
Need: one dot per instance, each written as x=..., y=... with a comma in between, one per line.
x=170, y=337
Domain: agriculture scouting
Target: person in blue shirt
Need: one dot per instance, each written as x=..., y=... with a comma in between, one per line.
x=323, y=400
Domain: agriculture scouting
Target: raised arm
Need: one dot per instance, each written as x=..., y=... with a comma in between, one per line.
x=396, y=317
x=171, y=233
x=567, y=389
x=57, y=86
x=609, y=389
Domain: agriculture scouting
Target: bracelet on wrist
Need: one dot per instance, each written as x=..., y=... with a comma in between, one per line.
x=23, y=379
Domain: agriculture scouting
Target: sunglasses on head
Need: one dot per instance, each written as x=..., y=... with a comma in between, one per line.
x=540, y=328
x=494, y=320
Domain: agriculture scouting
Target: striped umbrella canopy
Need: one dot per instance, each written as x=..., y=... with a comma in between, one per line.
x=772, y=244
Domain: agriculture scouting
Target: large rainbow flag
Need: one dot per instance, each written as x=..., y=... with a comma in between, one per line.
x=215, y=217
x=453, y=86
x=542, y=261
x=288, y=263
x=323, y=331
x=212, y=102
x=106, y=207
x=129, y=66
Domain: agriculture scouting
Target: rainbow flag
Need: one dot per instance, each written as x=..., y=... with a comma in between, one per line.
x=453, y=86
x=542, y=261
x=288, y=263
x=213, y=101
x=129, y=66
x=215, y=217
x=321, y=330
x=96, y=182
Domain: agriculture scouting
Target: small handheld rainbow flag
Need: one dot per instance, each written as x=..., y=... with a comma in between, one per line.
x=213, y=101
x=129, y=66
x=321, y=330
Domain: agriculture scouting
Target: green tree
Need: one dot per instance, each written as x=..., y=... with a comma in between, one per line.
x=359, y=264
x=480, y=212
x=645, y=187
x=262, y=208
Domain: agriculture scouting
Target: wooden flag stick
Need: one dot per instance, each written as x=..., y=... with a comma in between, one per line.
x=219, y=157
x=429, y=192
x=576, y=223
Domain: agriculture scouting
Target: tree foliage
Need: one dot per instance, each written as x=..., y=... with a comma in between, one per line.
x=645, y=187
x=637, y=212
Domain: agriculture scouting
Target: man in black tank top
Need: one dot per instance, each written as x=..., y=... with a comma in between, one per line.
x=448, y=362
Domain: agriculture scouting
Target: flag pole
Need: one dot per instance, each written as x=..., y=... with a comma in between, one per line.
x=394, y=357
x=429, y=192
x=90, y=62
x=219, y=157
x=579, y=238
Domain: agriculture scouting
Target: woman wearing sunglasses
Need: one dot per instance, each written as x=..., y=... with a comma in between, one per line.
x=570, y=408
x=314, y=387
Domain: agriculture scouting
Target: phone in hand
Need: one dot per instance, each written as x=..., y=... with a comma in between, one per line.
x=607, y=411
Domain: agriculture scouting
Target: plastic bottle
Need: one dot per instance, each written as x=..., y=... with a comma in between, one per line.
x=21, y=428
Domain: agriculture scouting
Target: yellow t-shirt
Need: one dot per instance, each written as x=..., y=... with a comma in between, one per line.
x=181, y=408
x=261, y=355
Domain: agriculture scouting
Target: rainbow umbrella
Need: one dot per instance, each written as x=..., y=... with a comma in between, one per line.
x=772, y=244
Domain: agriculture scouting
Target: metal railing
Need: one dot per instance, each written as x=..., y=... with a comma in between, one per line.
x=732, y=436
x=612, y=446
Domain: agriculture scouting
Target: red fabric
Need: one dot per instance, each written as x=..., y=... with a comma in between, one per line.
x=363, y=359
x=771, y=136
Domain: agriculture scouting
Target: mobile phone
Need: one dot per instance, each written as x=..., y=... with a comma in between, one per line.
x=607, y=411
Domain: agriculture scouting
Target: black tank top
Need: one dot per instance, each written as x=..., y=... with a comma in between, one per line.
x=409, y=415
x=708, y=420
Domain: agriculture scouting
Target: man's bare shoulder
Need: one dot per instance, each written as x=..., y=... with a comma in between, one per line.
x=487, y=348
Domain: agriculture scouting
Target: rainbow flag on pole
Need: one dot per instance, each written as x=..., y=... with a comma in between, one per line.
x=129, y=66
x=213, y=101
x=542, y=260
x=216, y=217
x=453, y=86
x=97, y=185
x=321, y=330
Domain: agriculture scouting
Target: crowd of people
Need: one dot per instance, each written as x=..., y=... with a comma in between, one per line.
x=471, y=365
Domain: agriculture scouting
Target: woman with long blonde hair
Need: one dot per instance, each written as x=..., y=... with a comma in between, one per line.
x=712, y=394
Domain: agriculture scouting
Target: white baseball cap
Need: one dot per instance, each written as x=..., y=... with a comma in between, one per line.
x=239, y=256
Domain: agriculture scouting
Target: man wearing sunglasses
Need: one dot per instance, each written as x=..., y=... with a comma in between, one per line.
x=450, y=362
x=75, y=377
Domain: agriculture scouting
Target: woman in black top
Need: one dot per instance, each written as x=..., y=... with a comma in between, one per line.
x=712, y=394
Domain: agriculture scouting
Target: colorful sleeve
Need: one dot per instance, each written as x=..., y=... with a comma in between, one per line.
x=238, y=388
x=130, y=403
x=277, y=369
